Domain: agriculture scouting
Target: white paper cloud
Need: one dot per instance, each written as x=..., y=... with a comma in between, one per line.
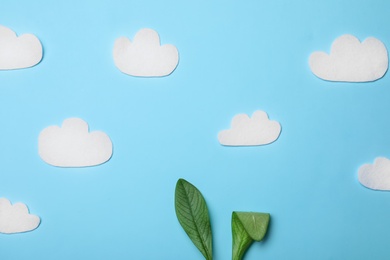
x=376, y=176
x=16, y=218
x=245, y=131
x=72, y=145
x=351, y=60
x=145, y=57
x=18, y=52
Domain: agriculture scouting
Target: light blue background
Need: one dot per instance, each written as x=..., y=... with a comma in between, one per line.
x=235, y=57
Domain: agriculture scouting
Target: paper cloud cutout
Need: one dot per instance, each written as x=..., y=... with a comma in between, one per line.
x=376, y=176
x=245, y=131
x=18, y=52
x=16, y=218
x=351, y=60
x=72, y=145
x=145, y=57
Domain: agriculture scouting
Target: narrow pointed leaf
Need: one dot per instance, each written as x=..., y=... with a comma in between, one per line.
x=193, y=215
x=246, y=228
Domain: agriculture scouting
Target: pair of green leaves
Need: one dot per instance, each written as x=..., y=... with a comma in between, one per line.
x=193, y=215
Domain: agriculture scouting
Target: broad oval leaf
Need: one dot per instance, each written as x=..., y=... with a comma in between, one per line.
x=193, y=215
x=255, y=224
x=247, y=227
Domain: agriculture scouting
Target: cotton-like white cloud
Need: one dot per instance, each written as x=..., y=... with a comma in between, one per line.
x=72, y=145
x=351, y=60
x=16, y=218
x=145, y=57
x=246, y=131
x=18, y=52
x=376, y=176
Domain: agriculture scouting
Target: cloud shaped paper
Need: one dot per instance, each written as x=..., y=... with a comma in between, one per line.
x=351, y=60
x=376, y=176
x=18, y=52
x=246, y=131
x=72, y=145
x=16, y=218
x=145, y=57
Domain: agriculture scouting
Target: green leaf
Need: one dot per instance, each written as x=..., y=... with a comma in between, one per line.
x=246, y=228
x=193, y=215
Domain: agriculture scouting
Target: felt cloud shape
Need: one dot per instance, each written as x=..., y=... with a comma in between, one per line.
x=18, y=52
x=72, y=145
x=145, y=57
x=246, y=131
x=376, y=176
x=16, y=218
x=351, y=60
